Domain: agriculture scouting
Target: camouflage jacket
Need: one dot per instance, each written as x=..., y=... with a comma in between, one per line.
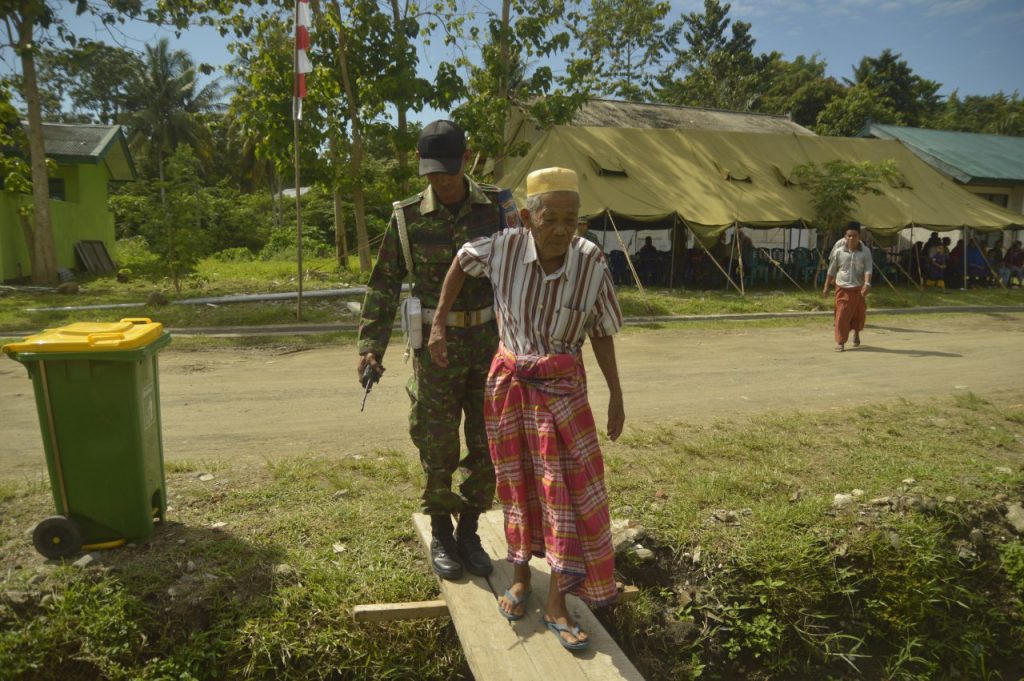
x=434, y=237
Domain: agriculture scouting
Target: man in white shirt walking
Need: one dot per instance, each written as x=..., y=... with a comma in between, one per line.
x=850, y=268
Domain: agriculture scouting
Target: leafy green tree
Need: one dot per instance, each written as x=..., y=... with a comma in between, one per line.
x=174, y=228
x=14, y=171
x=720, y=67
x=165, y=102
x=525, y=30
x=847, y=115
x=259, y=127
x=92, y=76
x=836, y=187
x=626, y=40
x=998, y=114
x=915, y=98
x=23, y=20
x=799, y=88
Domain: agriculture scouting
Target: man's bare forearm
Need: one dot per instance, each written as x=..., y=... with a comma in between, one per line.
x=604, y=351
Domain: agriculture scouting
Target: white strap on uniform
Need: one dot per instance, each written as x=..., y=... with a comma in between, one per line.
x=403, y=235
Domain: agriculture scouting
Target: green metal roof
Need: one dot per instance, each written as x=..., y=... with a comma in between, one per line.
x=89, y=143
x=964, y=156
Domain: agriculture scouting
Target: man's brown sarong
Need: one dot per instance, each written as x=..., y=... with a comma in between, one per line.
x=851, y=312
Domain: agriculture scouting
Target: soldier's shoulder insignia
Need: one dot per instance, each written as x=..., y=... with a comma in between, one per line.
x=509, y=209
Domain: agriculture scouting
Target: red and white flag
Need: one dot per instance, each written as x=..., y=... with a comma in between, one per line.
x=302, y=63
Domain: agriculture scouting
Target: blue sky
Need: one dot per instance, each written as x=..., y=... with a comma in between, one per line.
x=975, y=46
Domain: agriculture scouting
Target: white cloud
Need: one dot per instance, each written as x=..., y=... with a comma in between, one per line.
x=754, y=8
x=945, y=8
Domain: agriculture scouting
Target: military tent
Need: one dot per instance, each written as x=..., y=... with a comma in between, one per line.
x=712, y=180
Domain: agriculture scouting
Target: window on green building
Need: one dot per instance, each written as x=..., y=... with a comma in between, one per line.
x=57, y=189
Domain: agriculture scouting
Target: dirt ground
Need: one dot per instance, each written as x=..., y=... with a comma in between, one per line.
x=252, y=405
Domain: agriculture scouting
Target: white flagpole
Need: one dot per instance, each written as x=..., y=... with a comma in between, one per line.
x=296, y=118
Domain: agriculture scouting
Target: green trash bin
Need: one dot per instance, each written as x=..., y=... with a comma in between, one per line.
x=98, y=397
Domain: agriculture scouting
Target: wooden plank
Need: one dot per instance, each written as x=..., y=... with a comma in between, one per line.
x=492, y=648
x=497, y=649
x=387, y=612
x=603, y=661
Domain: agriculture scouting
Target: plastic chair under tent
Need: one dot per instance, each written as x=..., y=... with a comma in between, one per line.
x=619, y=267
x=759, y=268
x=779, y=256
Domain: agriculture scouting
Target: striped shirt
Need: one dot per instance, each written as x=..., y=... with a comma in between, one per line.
x=538, y=313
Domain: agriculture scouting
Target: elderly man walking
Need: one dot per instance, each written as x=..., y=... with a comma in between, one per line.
x=551, y=290
x=850, y=268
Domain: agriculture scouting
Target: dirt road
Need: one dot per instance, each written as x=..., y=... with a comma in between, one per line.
x=252, y=405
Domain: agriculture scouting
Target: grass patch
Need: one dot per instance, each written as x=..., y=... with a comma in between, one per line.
x=656, y=302
x=215, y=277
x=915, y=579
x=755, y=576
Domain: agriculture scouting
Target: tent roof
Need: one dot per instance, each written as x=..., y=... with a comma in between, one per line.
x=713, y=179
x=609, y=113
x=88, y=143
x=964, y=156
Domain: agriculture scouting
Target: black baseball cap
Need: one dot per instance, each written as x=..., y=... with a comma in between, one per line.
x=442, y=145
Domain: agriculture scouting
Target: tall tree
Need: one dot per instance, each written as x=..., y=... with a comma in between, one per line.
x=627, y=41
x=847, y=115
x=30, y=25
x=915, y=98
x=524, y=31
x=998, y=114
x=23, y=19
x=165, y=101
x=799, y=88
x=721, y=70
x=92, y=77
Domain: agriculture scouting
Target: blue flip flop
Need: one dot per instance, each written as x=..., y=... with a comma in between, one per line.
x=516, y=602
x=557, y=630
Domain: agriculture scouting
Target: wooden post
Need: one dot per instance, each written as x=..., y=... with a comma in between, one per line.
x=629, y=261
x=781, y=268
x=672, y=262
x=720, y=269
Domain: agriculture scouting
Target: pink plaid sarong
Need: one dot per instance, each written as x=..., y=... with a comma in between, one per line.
x=550, y=472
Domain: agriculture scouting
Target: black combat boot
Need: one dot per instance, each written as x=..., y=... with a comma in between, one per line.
x=473, y=555
x=444, y=555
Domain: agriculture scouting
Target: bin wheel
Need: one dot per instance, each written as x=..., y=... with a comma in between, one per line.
x=57, y=537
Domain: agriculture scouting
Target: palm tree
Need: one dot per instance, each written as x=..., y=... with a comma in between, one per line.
x=164, y=101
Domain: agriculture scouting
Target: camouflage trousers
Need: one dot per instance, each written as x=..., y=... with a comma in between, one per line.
x=441, y=398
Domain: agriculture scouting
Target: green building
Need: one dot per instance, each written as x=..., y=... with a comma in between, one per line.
x=88, y=158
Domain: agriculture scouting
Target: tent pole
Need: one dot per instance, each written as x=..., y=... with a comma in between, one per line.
x=775, y=262
x=720, y=268
x=992, y=271
x=909, y=278
x=963, y=257
x=629, y=261
x=882, y=272
x=672, y=262
x=739, y=256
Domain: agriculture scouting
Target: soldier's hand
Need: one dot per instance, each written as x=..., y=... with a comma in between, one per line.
x=438, y=346
x=368, y=359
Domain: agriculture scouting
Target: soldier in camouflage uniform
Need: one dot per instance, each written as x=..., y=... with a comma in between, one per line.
x=449, y=212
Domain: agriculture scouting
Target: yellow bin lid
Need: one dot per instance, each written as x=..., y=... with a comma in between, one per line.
x=127, y=334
